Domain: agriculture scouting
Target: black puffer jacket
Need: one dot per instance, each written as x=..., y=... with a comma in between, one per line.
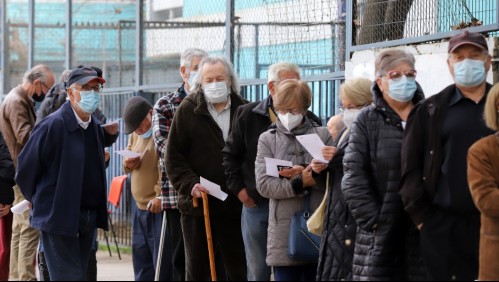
x=338, y=237
x=386, y=246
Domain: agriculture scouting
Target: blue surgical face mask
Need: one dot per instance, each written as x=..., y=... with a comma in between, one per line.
x=402, y=89
x=89, y=101
x=469, y=73
x=147, y=134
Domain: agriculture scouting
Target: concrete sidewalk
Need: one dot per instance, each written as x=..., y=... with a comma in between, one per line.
x=112, y=268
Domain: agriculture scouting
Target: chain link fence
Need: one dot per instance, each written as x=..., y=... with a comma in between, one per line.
x=383, y=20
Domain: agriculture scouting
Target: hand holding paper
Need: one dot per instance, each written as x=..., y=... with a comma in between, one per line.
x=313, y=144
x=271, y=166
x=128, y=154
x=214, y=189
x=21, y=207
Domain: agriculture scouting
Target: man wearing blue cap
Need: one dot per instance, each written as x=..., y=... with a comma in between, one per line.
x=61, y=171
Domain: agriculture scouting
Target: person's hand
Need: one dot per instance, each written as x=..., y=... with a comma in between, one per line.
x=107, y=156
x=4, y=210
x=246, y=199
x=132, y=163
x=197, y=189
x=291, y=172
x=318, y=166
x=328, y=152
x=111, y=128
x=154, y=205
x=420, y=226
x=306, y=176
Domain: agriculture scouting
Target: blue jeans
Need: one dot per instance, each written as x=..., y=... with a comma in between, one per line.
x=304, y=272
x=146, y=234
x=254, y=224
x=67, y=256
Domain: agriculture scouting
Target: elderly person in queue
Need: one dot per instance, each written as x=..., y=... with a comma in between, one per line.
x=61, y=171
x=338, y=237
x=198, y=133
x=386, y=243
x=483, y=179
x=292, y=99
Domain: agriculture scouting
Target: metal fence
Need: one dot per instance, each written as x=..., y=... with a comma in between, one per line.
x=138, y=43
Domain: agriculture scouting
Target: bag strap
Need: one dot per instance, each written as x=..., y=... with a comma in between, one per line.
x=306, y=202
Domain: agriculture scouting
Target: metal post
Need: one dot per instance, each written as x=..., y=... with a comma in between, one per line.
x=69, y=35
x=349, y=30
x=31, y=34
x=139, y=31
x=229, y=30
x=257, y=51
x=4, y=47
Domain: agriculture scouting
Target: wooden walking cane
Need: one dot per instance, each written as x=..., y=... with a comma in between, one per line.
x=209, y=239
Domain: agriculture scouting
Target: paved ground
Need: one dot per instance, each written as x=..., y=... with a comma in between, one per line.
x=112, y=268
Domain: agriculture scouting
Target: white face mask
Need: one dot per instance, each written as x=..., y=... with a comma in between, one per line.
x=349, y=115
x=216, y=92
x=290, y=121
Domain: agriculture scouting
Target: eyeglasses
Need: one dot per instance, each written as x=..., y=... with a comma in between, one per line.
x=344, y=108
x=396, y=75
x=97, y=88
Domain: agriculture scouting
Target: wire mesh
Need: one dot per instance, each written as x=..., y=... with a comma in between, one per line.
x=382, y=20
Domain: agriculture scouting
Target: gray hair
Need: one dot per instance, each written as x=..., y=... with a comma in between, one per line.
x=390, y=59
x=233, y=81
x=64, y=76
x=276, y=68
x=37, y=72
x=189, y=54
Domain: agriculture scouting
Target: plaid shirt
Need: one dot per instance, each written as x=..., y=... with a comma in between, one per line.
x=164, y=109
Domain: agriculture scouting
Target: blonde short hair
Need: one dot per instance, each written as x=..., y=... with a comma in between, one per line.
x=290, y=91
x=490, y=113
x=357, y=90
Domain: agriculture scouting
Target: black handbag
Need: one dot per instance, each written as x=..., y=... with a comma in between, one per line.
x=303, y=245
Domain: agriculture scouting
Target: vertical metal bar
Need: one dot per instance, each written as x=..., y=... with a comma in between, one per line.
x=257, y=57
x=349, y=29
x=497, y=13
x=68, y=62
x=120, y=53
x=31, y=33
x=4, y=47
x=229, y=30
x=139, y=46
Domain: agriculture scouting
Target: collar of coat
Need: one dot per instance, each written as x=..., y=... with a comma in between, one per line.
x=70, y=119
x=263, y=107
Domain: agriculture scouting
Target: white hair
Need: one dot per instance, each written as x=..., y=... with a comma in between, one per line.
x=275, y=69
x=189, y=54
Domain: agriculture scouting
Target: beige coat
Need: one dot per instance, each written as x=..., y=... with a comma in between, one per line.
x=483, y=179
x=17, y=119
x=279, y=143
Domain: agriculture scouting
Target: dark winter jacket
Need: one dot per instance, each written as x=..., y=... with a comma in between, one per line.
x=239, y=153
x=386, y=241
x=7, y=172
x=422, y=154
x=194, y=150
x=51, y=169
x=338, y=237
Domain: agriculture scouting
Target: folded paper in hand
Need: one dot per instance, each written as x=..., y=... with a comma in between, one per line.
x=271, y=166
x=21, y=207
x=313, y=144
x=213, y=188
x=128, y=154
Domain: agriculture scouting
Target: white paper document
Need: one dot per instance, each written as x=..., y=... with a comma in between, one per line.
x=313, y=144
x=21, y=207
x=128, y=154
x=271, y=166
x=214, y=189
